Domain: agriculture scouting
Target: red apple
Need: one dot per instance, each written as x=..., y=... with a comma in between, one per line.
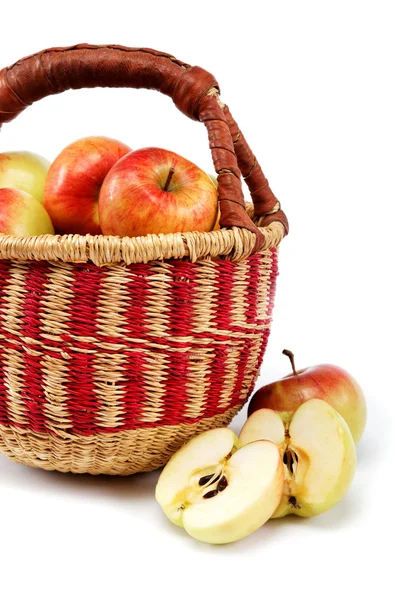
x=74, y=180
x=24, y=171
x=326, y=382
x=22, y=214
x=152, y=190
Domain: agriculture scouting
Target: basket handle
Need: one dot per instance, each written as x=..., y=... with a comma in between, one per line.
x=194, y=91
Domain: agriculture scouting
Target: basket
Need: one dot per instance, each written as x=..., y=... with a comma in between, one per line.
x=115, y=351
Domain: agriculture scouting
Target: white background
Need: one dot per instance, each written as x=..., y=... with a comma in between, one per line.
x=314, y=86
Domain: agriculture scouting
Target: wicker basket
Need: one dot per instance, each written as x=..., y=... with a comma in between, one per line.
x=115, y=351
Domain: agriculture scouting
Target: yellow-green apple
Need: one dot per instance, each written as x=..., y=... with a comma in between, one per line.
x=215, y=182
x=21, y=214
x=327, y=382
x=219, y=491
x=318, y=455
x=213, y=179
x=24, y=171
x=153, y=190
x=73, y=183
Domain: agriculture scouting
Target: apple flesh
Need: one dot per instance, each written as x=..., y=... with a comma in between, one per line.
x=22, y=215
x=24, y=171
x=218, y=491
x=327, y=382
x=152, y=190
x=73, y=183
x=318, y=455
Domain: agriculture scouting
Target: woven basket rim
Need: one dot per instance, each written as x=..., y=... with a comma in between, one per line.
x=234, y=244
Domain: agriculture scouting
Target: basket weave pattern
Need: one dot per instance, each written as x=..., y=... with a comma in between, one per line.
x=114, y=351
x=104, y=351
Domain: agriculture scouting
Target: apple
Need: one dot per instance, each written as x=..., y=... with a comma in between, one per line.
x=327, y=382
x=24, y=171
x=73, y=183
x=215, y=182
x=152, y=190
x=213, y=179
x=218, y=491
x=318, y=454
x=21, y=214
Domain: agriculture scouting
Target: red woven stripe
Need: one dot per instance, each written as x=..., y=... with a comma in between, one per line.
x=274, y=272
x=137, y=295
x=253, y=280
x=223, y=284
x=135, y=396
x=223, y=307
x=32, y=392
x=4, y=278
x=182, y=293
x=180, y=316
x=82, y=402
x=221, y=354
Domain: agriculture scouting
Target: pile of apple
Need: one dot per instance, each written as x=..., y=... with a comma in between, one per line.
x=295, y=454
x=98, y=185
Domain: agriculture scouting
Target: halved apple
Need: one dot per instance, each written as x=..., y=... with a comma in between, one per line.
x=318, y=455
x=219, y=491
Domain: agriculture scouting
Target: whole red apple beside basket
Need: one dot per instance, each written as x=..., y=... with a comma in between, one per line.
x=116, y=350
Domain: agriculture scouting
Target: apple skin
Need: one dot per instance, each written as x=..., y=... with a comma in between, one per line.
x=22, y=215
x=133, y=201
x=327, y=382
x=215, y=182
x=24, y=171
x=74, y=180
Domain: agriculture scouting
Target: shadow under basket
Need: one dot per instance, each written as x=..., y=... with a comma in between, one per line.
x=115, y=351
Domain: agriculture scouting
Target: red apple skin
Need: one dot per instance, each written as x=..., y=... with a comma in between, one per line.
x=22, y=215
x=73, y=183
x=133, y=201
x=326, y=382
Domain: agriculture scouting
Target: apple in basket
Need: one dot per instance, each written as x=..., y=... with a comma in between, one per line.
x=153, y=190
x=73, y=183
x=327, y=382
x=21, y=214
x=24, y=171
x=215, y=182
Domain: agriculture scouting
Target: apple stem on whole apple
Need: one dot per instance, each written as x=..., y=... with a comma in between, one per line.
x=291, y=357
x=170, y=174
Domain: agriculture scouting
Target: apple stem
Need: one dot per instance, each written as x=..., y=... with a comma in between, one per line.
x=170, y=174
x=291, y=357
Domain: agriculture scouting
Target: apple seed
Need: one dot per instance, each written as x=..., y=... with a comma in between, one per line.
x=290, y=459
x=293, y=502
x=222, y=484
x=211, y=494
x=205, y=479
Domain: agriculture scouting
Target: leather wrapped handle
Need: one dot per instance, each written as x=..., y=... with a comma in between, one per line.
x=193, y=90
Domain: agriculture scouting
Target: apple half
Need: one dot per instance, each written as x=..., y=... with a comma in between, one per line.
x=318, y=455
x=218, y=491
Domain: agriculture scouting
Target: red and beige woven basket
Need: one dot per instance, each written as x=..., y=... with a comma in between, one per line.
x=115, y=351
